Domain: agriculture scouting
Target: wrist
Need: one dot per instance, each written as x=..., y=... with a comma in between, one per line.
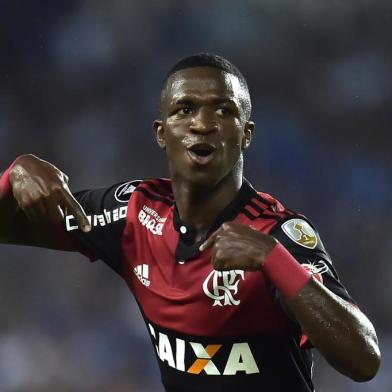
x=284, y=271
x=5, y=183
x=263, y=247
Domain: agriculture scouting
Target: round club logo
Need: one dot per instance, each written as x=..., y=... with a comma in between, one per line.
x=123, y=191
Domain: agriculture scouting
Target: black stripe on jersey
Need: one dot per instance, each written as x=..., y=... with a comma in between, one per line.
x=249, y=215
x=282, y=214
x=165, y=183
x=151, y=196
x=266, y=213
x=256, y=206
x=290, y=212
x=264, y=200
x=271, y=209
x=154, y=188
x=259, y=200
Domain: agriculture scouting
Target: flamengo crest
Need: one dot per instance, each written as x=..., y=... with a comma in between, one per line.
x=222, y=286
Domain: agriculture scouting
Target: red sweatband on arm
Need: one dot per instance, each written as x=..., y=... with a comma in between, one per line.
x=285, y=272
x=5, y=186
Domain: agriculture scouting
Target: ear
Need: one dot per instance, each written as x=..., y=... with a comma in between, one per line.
x=248, y=134
x=159, y=133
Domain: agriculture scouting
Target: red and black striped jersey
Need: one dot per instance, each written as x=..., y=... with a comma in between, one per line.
x=212, y=330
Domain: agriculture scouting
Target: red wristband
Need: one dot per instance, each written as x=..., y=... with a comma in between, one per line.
x=5, y=185
x=285, y=272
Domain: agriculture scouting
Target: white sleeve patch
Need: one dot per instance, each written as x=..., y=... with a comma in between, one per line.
x=122, y=192
x=300, y=231
x=317, y=269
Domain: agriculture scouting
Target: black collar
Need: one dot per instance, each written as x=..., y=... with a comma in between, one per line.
x=187, y=249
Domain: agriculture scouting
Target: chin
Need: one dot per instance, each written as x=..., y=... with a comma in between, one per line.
x=202, y=178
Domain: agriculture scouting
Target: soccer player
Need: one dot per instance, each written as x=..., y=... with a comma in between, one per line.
x=235, y=289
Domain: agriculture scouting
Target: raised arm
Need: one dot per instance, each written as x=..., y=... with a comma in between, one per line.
x=337, y=328
x=34, y=198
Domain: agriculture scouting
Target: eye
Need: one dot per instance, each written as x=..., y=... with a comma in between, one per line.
x=185, y=111
x=222, y=111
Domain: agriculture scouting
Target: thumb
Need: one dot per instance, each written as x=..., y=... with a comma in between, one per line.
x=209, y=241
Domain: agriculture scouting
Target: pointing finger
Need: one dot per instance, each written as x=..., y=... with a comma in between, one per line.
x=77, y=211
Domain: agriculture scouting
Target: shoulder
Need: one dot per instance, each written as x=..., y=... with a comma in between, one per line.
x=271, y=203
x=112, y=196
x=293, y=229
x=262, y=207
x=290, y=227
x=156, y=189
x=120, y=193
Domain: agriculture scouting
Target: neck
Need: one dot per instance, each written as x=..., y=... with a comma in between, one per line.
x=199, y=206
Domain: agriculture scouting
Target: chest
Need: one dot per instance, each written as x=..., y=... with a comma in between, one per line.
x=192, y=297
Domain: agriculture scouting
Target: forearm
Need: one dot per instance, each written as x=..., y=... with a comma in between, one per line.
x=338, y=329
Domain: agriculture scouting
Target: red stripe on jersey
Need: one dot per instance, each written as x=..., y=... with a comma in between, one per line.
x=153, y=196
x=274, y=204
x=267, y=198
x=166, y=184
x=156, y=187
x=252, y=210
x=278, y=215
x=259, y=202
x=257, y=212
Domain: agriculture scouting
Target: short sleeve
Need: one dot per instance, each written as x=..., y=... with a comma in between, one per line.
x=303, y=241
x=106, y=209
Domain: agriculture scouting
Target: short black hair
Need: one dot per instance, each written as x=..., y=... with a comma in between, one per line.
x=213, y=60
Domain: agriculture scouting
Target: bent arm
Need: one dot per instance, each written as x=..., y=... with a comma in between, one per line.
x=338, y=329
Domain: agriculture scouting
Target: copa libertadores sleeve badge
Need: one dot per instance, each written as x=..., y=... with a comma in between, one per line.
x=300, y=231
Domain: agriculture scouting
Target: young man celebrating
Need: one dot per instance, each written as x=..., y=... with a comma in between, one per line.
x=234, y=288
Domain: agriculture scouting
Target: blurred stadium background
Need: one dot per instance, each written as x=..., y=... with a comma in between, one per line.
x=79, y=85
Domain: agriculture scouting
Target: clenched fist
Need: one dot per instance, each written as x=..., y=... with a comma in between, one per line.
x=237, y=246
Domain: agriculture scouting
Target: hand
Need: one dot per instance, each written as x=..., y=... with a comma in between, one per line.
x=41, y=191
x=237, y=246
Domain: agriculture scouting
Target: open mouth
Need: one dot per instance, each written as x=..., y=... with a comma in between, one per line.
x=202, y=153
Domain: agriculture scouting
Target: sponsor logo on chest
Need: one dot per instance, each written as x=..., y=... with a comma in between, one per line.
x=150, y=219
x=195, y=358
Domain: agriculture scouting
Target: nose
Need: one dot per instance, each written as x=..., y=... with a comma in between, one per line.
x=204, y=122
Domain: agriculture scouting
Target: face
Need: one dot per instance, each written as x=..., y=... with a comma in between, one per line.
x=203, y=128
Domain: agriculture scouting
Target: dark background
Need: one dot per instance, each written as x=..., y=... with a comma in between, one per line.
x=79, y=85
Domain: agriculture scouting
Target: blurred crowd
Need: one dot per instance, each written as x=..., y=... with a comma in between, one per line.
x=79, y=86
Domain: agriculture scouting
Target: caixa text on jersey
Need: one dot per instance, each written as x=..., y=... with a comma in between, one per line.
x=196, y=358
